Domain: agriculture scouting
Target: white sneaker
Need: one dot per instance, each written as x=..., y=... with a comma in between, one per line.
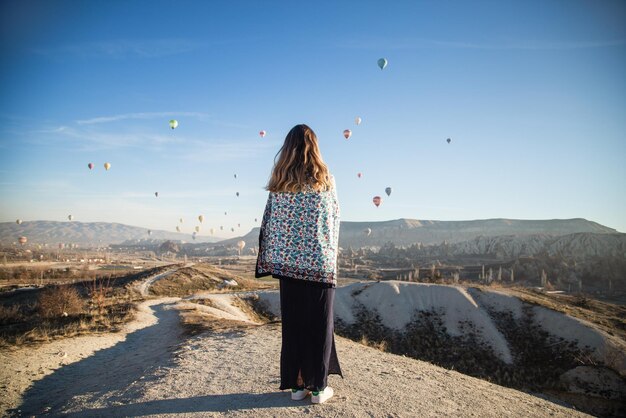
x=322, y=396
x=299, y=394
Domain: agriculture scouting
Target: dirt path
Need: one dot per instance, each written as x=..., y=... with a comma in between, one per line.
x=144, y=287
x=32, y=366
x=43, y=377
x=151, y=370
x=236, y=374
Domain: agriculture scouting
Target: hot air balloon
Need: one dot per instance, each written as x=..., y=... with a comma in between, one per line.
x=90, y=165
x=201, y=218
x=377, y=200
x=367, y=232
x=23, y=240
x=359, y=175
x=235, y=175
x=256, y=220
x=382, y=63
x=156, y=194
x=193, y=235
x=149, y=232
x=448, y=140
x=357, y=120
x=173, y=124
x=107, y=166
x=238, y=225
x=388, y=191
x=18, y=221
x=221, y=228
x=241, y=244
x=177, y=228
x=262, y=133
x=232, y=229
x=347, y=133
x=237, y=194
x=197, y=228
x=211, y=231
x=226, y=213
x=70, y=217
x=181, y=220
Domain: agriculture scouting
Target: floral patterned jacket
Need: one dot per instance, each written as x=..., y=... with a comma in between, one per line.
x=300, y=236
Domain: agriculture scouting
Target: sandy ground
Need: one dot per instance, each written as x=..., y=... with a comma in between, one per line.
x=150, y=369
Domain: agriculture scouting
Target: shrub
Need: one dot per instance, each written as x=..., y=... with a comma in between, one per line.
x=99, y=291
x=57, y=301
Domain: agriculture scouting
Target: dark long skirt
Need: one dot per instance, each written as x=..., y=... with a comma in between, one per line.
x=308, y=345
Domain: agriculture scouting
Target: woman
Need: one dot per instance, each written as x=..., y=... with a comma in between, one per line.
x=298, y=245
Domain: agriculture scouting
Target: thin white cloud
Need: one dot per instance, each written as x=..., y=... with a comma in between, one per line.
x=90, y=137
x=160, y=115
x=95, y=140
x=140, y=115
x=224, y=150
x=95, y=134
x=123, y=48
x=395, y=44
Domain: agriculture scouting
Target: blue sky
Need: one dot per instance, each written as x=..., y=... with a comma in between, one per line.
x=532, y=94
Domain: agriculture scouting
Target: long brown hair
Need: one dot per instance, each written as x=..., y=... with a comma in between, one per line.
x=299, y=163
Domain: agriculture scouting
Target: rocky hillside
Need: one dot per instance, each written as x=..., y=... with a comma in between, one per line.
x=491, y=334
x=409, y=231
x=572, y=246
x=84, y=233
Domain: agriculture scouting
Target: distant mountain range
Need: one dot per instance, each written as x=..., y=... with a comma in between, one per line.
x=401, y=232
x=86, y=233
x=410, y=231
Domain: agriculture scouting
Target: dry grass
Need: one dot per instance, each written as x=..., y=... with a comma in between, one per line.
x=606, y=316
x=63, y=311
x=15, y=277
x=379, y=345
x=195, y=321
x=11, y=314
x=99, y=291
x=203, y=277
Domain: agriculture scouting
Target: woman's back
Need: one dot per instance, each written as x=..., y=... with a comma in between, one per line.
x=301, y=235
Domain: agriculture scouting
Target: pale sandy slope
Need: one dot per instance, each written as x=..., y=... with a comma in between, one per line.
x=235, y=373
